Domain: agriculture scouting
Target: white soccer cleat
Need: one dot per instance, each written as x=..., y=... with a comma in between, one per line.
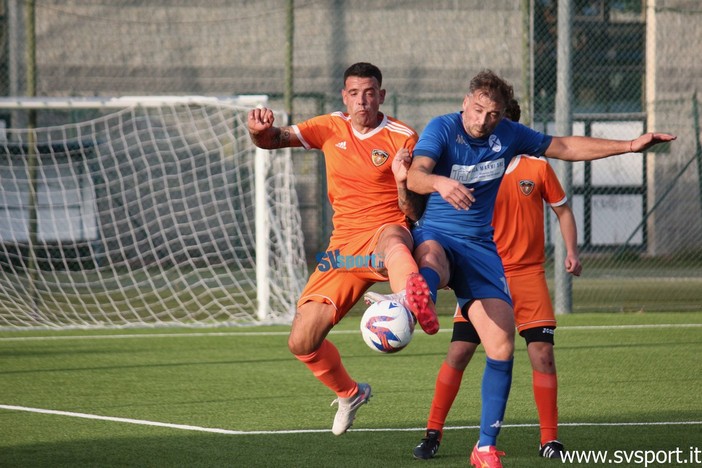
x=348, y=407
x=372, y=297
x=416, y=298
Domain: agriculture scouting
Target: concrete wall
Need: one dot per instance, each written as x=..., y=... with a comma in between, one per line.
x=674, y=74
x=428, y=50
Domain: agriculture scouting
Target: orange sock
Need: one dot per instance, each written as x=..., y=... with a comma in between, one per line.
x=546, y=397
x=448, y=382
x=400, y=264
x=325, y=364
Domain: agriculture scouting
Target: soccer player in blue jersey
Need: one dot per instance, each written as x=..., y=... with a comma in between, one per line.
x=459, y=161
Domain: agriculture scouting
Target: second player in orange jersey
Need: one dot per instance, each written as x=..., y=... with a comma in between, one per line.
x=518, y=219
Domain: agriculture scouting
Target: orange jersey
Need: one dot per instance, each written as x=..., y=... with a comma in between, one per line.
x=532, y=302
x=519, y=211
x=360, y=183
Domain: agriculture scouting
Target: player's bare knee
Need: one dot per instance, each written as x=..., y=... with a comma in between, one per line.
x=430, y=254
x=459, y=360
x=434, y=261
x=305, y=337
x=310, y=326
x=501, y=350
x=540, y=348
x=393, y=235
x=302, y=345
x=296, y=347
x=460, y=353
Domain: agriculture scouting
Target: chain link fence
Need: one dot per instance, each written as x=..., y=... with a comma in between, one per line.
x=635, y=68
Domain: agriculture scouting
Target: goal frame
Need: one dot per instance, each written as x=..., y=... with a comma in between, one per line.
x=261, y=163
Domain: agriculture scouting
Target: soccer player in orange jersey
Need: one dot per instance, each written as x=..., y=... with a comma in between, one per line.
x=519, y=234
x=367, y=155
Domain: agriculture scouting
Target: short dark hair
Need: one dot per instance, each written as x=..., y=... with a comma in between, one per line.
x=495, y=87
x=364, y=70
x=513, y=112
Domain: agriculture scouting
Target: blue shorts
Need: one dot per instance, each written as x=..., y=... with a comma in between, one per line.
x=474, y=264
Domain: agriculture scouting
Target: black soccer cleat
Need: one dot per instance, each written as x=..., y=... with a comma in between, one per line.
x=553, y=449
x=428, y=447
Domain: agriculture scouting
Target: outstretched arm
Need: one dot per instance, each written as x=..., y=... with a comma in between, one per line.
x=579, y=148
x=566, y=222
x=265, y=135
x=412, y=204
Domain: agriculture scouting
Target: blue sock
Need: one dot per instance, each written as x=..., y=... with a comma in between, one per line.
x=497, y=381
x=432, y=279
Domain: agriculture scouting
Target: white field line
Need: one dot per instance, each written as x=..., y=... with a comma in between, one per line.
x=333, y=332
x=187, y=427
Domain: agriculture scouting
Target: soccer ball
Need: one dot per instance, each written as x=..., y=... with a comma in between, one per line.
x=387, y=326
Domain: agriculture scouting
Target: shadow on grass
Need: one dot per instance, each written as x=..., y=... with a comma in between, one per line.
x=166, y=448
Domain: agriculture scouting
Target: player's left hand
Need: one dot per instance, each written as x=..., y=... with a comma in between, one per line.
x=648, y=140
x=573, y=265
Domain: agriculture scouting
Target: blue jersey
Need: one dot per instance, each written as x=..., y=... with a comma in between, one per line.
x=478, y=163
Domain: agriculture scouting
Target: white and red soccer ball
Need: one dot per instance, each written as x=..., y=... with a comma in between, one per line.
x=387, y=326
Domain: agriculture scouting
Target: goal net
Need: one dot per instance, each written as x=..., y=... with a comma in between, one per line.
x=144, y=211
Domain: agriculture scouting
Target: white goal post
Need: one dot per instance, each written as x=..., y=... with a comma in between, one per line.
x=144, y=211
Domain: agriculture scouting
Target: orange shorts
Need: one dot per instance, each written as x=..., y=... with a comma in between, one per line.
x=355, y=270
x=532, y=302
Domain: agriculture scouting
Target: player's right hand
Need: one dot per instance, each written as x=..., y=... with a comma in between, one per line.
x=260, y=119
x=401, y=164
x=454, y=192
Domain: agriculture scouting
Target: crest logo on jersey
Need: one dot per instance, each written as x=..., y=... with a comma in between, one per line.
x=526, y=186
x=379, y=157
x=495, y=143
